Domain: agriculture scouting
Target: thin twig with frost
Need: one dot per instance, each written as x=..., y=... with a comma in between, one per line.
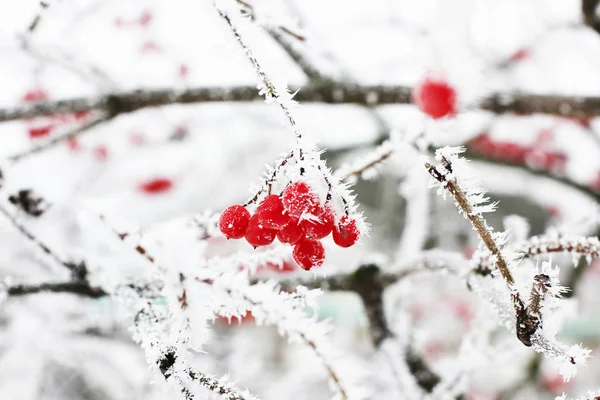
x=366, y=165
x=76, y=131
x=546, y=289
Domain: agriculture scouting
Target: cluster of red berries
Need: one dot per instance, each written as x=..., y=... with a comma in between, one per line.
x=435, y=97
x=297, y=218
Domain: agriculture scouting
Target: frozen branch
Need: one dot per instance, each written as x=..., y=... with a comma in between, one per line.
x=228, y=392
x=324, y=92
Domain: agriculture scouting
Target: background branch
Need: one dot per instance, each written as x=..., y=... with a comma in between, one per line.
x=323, y=92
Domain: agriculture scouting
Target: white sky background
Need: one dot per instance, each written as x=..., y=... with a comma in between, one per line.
x=393, y=42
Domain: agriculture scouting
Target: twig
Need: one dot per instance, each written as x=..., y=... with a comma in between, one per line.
x=444, y=175
x=250, y=10
x=37, y=242
x=77, y=131
x=269, y=87
x=357, y=170
x=79, y=287
x=166, y=363
x=38, y=16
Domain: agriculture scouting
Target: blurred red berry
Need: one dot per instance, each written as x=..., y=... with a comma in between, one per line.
x=309, y=253
x=157, y=185
x=234, y=222
x=35, y=95
x=257, y=234
x=346, y=233
x=291, y=232
x=321, y=225
x=184, y=71
x=299, y=198
x=435, y=98
x=73, y=143
x=145, y=18
x=101, y=153
x=149, y=46
x=271, y=213
x=40, y=131
x=136, y=139
x=519, y=55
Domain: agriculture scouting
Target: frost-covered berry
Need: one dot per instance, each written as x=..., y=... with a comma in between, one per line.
x=257, y=234
x=271, y=212
x=309, y=253
x=234, y=222
x=299, y=198
x=435, y=98
x=346, y=233
x=321, y=225
x=291, y=232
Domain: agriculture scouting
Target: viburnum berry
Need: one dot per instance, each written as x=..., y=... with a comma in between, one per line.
x=271, y=212
x=41, y=131
x=157, y=185
x=321, y=225
x=346, y=233
x=435, y=98
x=309, y=253
x=291, y=232
x=234, y=222
x=299, y=198
x=257, y=234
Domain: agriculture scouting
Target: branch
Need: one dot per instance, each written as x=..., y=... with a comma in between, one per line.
x=78, y=287
x=323, y=92
x=166, y=363
x=38, y=16
x=470, y=154
x=590, y=16
x=77, y=270
x=445, y=175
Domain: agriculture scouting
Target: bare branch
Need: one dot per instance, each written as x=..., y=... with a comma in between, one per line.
x=323, y=92
x=78, y=287
x=38, y=16
x=589, y=9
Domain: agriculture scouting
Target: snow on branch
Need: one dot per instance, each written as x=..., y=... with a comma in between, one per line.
x=366, y=167
x=451, y=176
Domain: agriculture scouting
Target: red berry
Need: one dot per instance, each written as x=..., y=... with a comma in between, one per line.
x=145, y=18
x=35, y=95
x=346, y=233
x=519, y=55
x=291, y=232
x=234, y=222
x=299, y=198
x=73, y=143
x=309, y=253
x=257, y=234
x=435, y=98
x=157, y=185
x=271, y=213
x=37, y=132
x=101, y=153
x=321, y=225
